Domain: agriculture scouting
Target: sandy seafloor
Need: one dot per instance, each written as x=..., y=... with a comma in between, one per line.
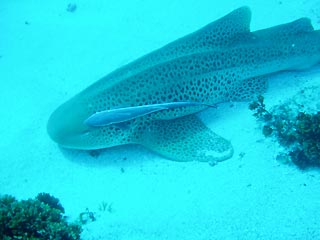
x=48, y=54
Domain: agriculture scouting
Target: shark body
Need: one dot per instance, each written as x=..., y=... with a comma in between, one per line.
x=223, y=61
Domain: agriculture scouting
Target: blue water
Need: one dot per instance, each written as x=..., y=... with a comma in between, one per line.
x=49, y=53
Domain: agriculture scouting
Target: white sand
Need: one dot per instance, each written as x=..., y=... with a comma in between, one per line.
x=58, y=53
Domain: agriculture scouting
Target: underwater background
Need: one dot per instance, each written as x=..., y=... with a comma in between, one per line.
x=50, y=51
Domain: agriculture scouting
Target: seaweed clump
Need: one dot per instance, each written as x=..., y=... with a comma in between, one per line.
x=39, y=218
x=297, y=131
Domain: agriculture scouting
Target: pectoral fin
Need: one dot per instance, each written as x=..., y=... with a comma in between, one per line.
x=185, y=139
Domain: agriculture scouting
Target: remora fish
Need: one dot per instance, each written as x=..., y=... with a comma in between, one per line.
x=119, y=115
x=221, y=62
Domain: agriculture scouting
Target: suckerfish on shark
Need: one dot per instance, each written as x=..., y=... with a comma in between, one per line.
x=124, y=114
x=223, y=61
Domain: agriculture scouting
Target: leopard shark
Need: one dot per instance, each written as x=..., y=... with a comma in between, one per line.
x=154, y=100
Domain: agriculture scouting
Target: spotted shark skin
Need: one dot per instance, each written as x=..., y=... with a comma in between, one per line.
x=223, y=61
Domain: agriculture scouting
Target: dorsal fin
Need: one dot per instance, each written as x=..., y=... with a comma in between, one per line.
x=215, y=34
x=302, y=25
x=218, y=34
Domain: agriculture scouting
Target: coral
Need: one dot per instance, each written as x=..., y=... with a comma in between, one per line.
x=35, y=219
x=260, y=109
x=50, y=200
x=297, y=131
x=308, y=136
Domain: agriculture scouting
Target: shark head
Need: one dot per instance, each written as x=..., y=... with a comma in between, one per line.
x=67, y=127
